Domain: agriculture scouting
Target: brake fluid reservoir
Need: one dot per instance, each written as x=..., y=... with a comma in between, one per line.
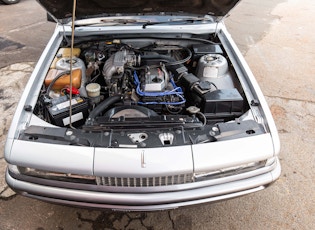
x=93, y=91
x=212, y=66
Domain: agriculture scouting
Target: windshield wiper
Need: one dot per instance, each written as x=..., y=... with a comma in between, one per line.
x=179, y=21
x=116, y=21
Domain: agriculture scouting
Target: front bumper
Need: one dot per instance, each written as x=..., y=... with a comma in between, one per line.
x=144, y=201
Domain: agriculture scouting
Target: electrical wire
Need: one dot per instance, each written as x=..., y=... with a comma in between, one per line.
x=203, y=117
x=177, y=91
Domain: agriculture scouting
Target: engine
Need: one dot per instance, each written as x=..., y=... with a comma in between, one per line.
x=114, y=79
x=140, y=84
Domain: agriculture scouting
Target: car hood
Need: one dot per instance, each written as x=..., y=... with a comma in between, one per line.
x=61, y=9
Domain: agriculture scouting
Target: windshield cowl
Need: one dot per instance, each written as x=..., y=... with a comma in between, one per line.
x=144, y=21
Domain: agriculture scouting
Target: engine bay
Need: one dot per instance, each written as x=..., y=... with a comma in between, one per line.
x=132, y=82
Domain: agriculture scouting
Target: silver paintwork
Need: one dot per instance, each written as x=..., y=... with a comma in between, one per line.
x=108, y=161
x=52, y=157
x=250, y=85
x=130, y=161
x=213, y=156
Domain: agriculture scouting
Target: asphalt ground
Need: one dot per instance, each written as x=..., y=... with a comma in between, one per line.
x=277, y=40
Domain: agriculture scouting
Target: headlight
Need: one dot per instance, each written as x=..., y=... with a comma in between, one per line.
x=13, y=168
x=68, y=177
x=270, y=161
x=230, y=171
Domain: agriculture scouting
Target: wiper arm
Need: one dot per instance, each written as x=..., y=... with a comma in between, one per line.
x=124, y=20
x=180, y=20
x=117, y=21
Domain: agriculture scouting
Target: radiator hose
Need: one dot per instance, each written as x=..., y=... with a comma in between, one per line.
x=102, y=106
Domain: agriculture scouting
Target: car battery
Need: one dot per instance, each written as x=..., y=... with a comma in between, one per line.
x=59, y=108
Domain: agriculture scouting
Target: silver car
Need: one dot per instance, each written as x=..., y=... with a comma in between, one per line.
x=141, y=105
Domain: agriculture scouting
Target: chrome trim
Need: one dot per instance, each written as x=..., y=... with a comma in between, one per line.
x=150, y=189
x=157, y=181
x=143, y=165
x=146, y=201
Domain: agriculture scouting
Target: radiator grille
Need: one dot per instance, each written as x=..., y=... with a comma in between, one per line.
x=144, y=181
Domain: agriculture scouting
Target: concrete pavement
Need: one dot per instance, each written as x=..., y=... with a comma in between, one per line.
x=13, y=80
x=23, y=32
